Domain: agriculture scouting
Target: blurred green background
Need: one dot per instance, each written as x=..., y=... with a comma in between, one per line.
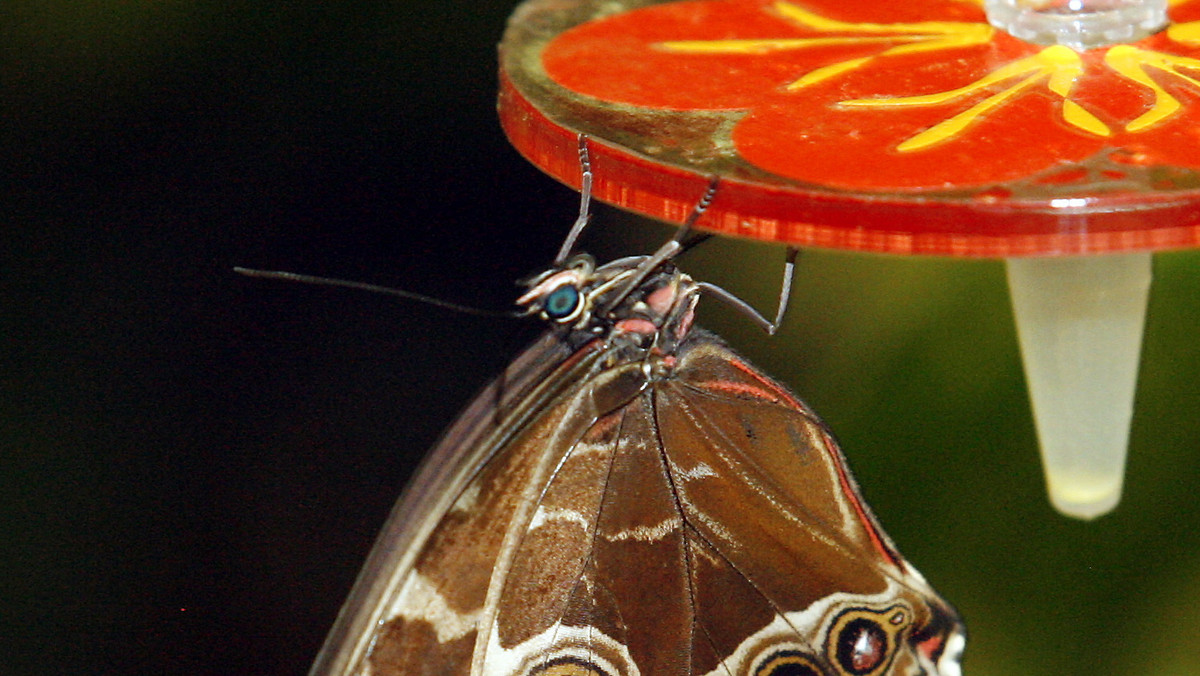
x=193, y=464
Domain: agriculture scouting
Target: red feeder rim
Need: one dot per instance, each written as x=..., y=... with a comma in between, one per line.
x=912, y=127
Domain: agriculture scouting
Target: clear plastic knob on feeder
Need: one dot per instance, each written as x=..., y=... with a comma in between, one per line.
x=1078, y=24
x=1058, y=136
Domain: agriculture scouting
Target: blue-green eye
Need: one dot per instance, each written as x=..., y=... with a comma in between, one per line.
x=561, y=303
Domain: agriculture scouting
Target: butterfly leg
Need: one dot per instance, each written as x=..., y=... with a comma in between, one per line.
x=785, y=293
x=585, y=202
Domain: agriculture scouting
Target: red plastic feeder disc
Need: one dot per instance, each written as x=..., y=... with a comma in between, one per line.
x=901, y=127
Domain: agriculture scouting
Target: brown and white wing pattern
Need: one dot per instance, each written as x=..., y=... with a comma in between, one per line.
x=430, y=622
x=709, y=526
x=819, y=588
x=650, y=504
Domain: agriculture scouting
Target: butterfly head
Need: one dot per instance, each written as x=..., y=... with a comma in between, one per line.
x=624, y=296
x=563, y=295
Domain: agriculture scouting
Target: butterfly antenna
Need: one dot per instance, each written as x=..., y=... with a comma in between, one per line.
x=585, y=203
x=374, y=288
x=695, y=239
x=683, y=239
x=684, y=233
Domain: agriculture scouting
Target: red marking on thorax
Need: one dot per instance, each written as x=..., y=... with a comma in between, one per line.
x=642, y=326
x=661, y=299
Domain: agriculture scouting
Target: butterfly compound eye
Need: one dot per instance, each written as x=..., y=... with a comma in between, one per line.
x=563, y=304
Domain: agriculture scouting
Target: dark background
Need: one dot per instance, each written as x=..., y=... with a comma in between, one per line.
x=193, y=464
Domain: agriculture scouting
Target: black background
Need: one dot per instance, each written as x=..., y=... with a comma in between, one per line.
x=194, y=463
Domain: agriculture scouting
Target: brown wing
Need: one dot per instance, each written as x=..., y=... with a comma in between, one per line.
x=708, y=525
x=782, y=534
x=425, y=591
x=699, y=522
x=453, y=472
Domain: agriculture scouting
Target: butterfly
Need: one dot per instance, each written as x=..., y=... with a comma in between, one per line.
x=631, y=497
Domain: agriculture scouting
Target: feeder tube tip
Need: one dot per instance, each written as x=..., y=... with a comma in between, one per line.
x=1079, y=323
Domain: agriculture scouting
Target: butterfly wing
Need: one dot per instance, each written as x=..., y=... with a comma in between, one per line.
x=708, y=525
x=644, y=503
x=787, y=552
x=438, y=483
